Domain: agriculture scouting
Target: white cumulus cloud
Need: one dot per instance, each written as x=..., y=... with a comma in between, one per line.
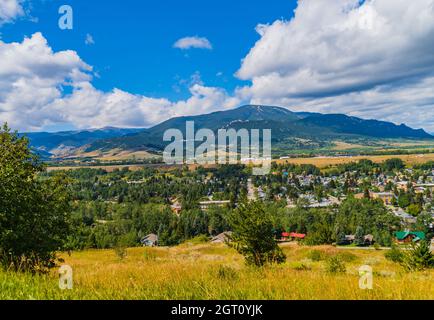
x=370, y=55
x=40, y=88
x=193, y=42
x=10, y=10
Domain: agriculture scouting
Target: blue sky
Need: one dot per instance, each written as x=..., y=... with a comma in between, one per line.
x=134, y=39
x=135, y=63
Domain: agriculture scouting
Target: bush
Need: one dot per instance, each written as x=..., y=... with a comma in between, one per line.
x=395, y=254
x=253, y=235
x=347, y=257
x=316, y=255
x=121, y=252
x=418, y=258
x=336, y=265
x=227, y=273
x=199, y=239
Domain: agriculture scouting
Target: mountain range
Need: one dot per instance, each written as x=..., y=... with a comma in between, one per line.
x=288, y=128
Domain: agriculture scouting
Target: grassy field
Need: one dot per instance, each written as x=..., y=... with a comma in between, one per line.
x=217, y=272
x=323, y=162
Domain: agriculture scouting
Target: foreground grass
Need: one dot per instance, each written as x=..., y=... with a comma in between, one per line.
x=217, y=272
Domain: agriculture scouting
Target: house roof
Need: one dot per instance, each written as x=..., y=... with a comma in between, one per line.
x=369, y=237
x=222, y=237
x=297, y=235
x=402, y=235
x=150, y=237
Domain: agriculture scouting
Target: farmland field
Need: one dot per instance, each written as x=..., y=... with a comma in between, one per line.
x=320, y=162
x=204, y=271
x=323, y=162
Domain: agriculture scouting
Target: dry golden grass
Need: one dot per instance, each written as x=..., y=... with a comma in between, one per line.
x=341, y=146
x=323, y=162
x=217, y=272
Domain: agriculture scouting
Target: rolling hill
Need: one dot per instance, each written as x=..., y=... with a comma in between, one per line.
x=67, y=142
x=289, y=129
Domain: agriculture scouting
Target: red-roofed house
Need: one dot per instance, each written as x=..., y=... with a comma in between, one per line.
x=297, y=236
x=292, y=236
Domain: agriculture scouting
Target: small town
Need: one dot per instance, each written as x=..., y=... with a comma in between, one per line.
x=406, y=193
x=219, y=157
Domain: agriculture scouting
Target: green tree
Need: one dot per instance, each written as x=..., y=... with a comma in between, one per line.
x=414, y=209
x=253, y=235
x=359, y=237
x=393, y=164
x=404, y=199
x=418, y=257
x=34, y=212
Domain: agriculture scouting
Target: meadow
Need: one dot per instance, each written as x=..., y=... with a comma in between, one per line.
x=320, y=162
x=205, y=271
x=323, y=162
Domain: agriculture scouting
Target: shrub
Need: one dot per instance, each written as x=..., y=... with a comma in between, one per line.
x=316, y=255
x=227, y=273
x=395, y=254
x=336, y=265
x=199, y=239
x=253, y=235
x=347, y=257
x=120, y=251
x=418, y=257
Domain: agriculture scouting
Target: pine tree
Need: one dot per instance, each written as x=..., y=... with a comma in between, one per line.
x=419, y=257
x=359, y=237
x=253, y=235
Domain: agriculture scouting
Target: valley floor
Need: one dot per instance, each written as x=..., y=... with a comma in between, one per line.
x=207, y=271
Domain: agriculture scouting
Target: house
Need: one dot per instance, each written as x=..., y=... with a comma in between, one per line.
x=386, y=197
x=404, y=216
x=402, y=185
x=297, y=236
x=292, y=236
x=205, y=205
x=150, y=240
x=285, y=236
x=419, y=190
x=403, y=237
x=425, y=186
x=369, y=239
x=223, y=237
x=350, y=239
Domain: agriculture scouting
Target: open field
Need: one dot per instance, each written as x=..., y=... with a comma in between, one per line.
x=217, y=272
x=320, y=162
x=323, y=162
x=116, y=155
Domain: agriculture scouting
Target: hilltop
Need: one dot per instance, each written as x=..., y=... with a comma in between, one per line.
x=302, y=131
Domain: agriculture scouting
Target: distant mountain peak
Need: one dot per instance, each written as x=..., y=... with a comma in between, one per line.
x=286, y=125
